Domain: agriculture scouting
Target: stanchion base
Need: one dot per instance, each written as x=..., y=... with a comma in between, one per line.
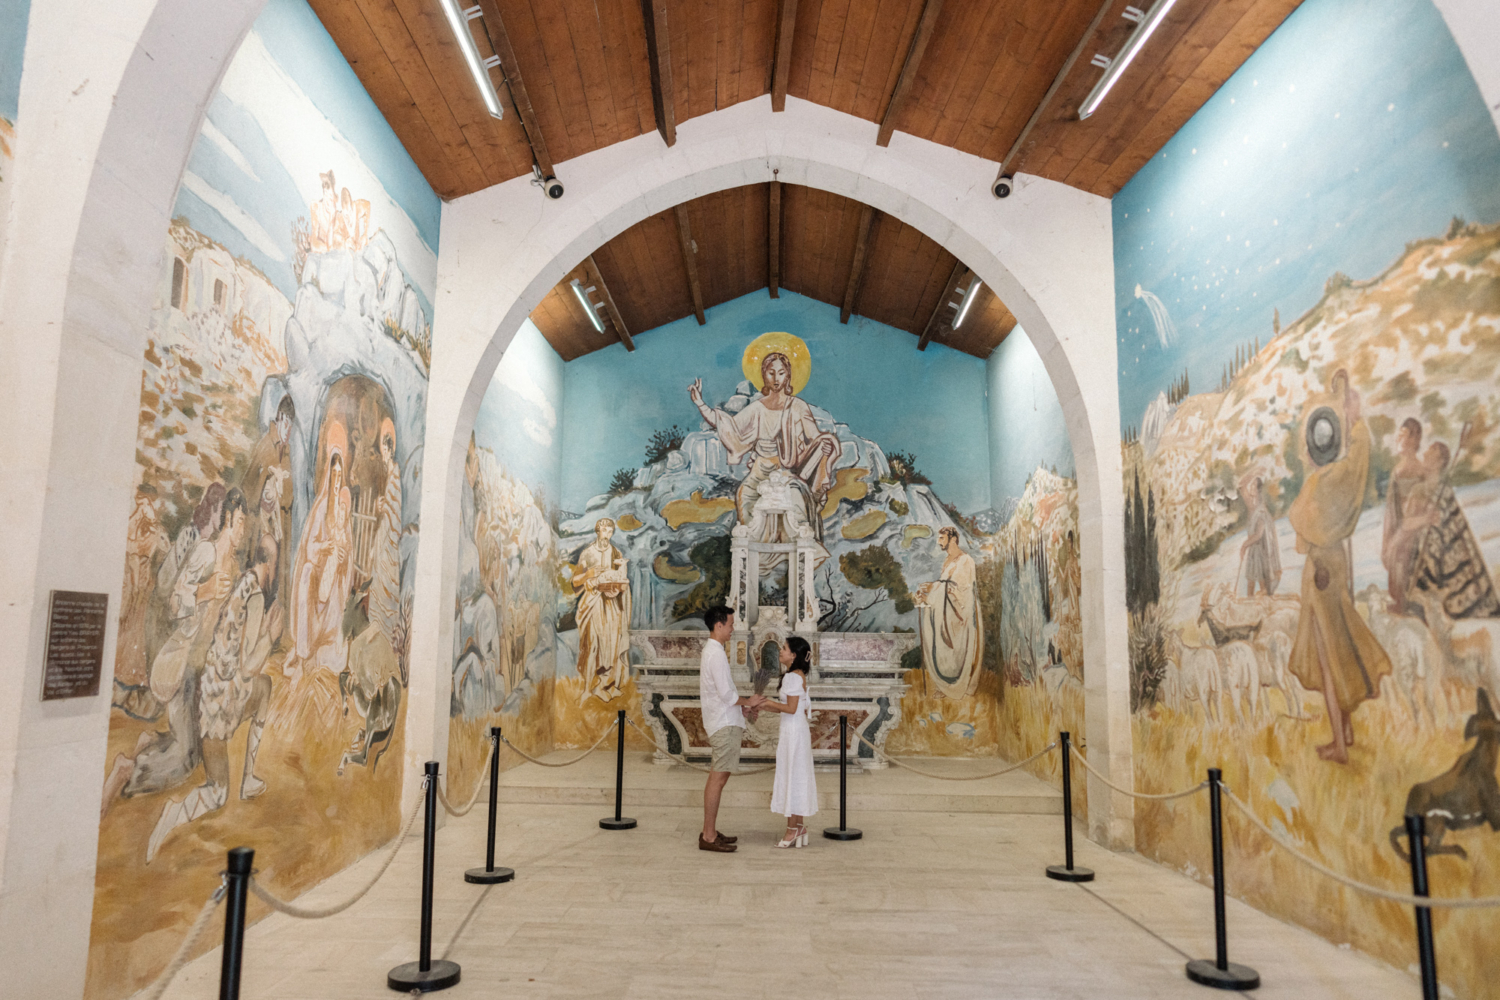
x=1206, y=972
x=489, y=876
x=610, y=823
x=1065, y=874
x=410, y=976
x=834, y=833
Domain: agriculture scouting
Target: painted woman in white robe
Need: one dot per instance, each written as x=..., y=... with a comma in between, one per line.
x=776, y=431
x=324, y=570
x=952, y=631
x=603, y=616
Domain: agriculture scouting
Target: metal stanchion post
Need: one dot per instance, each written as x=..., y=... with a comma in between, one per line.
x=1221, y=973
x=489, y=874
x=426, y=975
x=237, y=888
x=842, y=831
x=1066, y=872
x=1417, y=839
x=618, y=822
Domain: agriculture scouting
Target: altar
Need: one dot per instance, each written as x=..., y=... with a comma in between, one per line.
x=854, y=673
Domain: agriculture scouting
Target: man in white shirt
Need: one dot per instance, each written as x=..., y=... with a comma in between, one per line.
x=722, y=720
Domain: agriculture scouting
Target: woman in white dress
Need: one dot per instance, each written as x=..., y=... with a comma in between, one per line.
x=795, y=793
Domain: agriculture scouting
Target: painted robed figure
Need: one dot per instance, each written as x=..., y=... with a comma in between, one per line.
x=951, y=630
x=603, y=590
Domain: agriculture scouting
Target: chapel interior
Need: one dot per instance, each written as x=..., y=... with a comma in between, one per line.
x=397, y=388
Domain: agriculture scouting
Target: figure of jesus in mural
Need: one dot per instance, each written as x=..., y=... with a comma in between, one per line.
x=777, y=430
x=1334, y=652
x=951, y=630
x=603, y=615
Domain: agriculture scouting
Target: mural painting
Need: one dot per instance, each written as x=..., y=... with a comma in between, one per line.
x=509, y=592
x=14, y=16
x=1312, y=477
x=261, y=666
x=770, y=426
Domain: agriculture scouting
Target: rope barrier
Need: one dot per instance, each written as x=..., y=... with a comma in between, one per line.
x=566, y=763
x=957, y=777
x=684, y=761
x=1405, y=899
x=478, y=787
x=319, y=912
x=156, y=989
x=1138, y=795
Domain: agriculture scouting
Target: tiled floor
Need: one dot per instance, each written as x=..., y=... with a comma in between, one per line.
x=927, y=905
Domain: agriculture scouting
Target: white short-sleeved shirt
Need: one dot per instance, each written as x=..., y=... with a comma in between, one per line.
x=716, y=689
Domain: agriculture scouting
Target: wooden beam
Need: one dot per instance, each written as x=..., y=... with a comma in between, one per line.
x=690, y=258
x=616, y=320
x=933, y=325
x=786, y=28
x=773, y=239
x=659, y=55
x=510, y=70
x=857, y=269
x=908, y=78
x=1009, y=163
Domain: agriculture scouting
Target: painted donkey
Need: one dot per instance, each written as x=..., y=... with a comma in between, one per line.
x=1464, y=796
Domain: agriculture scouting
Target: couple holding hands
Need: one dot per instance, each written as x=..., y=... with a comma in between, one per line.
x=795, y=792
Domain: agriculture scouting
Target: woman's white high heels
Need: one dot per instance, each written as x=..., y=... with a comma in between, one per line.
x=797, y=839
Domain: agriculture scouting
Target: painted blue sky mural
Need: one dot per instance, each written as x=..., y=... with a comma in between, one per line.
x=250, y=178
x=520, y=413
x=1313, y=158
x=13, y=18
x=1026, y=420
x=868, y=375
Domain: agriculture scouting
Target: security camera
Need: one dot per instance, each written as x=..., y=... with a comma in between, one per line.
x=553, y=187
x=1004, y=185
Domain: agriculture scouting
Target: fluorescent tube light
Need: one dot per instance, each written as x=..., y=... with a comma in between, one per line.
x=588, y=307
x=1121, y=62
x=458, y=20
x=969, y=296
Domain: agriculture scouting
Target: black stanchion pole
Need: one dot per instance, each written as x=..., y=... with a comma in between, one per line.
x=426, y=975
x=618, y=822
x=237, y=888
x=489, y=874
x=1221, y=973
x=842, y=831
x=1416, y=837
x=1066, y=872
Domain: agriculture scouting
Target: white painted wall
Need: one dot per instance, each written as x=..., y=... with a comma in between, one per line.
x=1046, y=251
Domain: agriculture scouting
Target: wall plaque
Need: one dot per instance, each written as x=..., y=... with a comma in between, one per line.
x=75, y=644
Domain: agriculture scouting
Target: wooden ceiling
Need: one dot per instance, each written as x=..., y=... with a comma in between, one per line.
x=965, y=73
x=904, y=279
x=1001, y=79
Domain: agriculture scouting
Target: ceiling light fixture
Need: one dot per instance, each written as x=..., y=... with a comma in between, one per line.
x=588, y=307
x=1115, y=68
x=479, y=68
x=963, y=308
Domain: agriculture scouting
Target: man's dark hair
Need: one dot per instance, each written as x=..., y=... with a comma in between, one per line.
x=716, y=614
x=234, y=500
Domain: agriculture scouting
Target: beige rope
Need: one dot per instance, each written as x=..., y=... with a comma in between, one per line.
x=565, y=763
x=478, y=787
x=1405, y=899
x=1133, y=794
x=156, y=989
x=958, y=777
x=318, y=912
x=684, y=761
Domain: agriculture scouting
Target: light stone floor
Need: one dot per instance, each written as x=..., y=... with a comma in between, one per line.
x=927, y=905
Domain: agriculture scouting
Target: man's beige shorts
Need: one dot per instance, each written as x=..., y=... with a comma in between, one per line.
x=726, y=743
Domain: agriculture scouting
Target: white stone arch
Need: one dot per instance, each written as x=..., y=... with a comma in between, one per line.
x=1046, y=251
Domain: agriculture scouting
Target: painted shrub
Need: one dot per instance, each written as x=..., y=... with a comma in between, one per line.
x=1308, y=286
x=261, y=668
x=890, y=450
x=507, y=595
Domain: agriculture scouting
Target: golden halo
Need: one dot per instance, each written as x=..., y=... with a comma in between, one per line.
x=793, y=347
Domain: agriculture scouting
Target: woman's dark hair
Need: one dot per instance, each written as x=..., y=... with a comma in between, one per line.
x=802, y=650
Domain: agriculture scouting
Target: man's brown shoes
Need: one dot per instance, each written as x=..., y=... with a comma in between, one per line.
x=724, y=839
x=720, y=845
